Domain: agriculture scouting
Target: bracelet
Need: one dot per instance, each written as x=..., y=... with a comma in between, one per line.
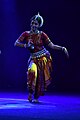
x=62, y=48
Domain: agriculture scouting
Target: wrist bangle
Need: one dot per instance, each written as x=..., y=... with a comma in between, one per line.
x=62, y=48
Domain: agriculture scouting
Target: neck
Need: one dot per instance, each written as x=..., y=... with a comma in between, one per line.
x=34, y=31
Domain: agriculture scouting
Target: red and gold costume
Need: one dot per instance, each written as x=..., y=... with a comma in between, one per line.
x=39, y=63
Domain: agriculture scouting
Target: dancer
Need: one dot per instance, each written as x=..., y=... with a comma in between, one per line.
x=40, y=61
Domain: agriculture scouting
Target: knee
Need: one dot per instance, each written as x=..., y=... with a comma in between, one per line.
x=32, y=70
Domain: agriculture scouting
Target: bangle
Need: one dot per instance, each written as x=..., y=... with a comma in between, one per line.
x=63, y=48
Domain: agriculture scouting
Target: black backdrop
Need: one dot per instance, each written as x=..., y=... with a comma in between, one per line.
x=62, y=25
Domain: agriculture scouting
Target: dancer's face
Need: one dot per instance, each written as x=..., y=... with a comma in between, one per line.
x=34, y=25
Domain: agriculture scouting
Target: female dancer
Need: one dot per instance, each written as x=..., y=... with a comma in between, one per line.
x=39, y=63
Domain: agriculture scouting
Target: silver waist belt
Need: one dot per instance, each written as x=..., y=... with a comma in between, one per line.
x=39, y=54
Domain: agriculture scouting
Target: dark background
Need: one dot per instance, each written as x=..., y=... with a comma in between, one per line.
x=62, y=25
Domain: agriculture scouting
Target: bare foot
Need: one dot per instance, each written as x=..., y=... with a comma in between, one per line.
x=35, y=101
x=30, y=97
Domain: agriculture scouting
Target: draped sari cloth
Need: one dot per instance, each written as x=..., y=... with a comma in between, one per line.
x=39, y=74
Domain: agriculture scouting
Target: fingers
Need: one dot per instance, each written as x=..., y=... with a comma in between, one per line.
x=0, y=51
x=66, y=52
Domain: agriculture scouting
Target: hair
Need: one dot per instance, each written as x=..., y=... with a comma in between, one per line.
x=39, y=19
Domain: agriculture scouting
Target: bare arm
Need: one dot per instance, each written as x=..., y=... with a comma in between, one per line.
x=18, y=43
x=57, y=47
x=53, y=46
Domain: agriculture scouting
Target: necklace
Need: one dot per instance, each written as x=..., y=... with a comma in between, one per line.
x=34, y=32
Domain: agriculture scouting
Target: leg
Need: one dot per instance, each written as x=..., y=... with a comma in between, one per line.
x=31, y=77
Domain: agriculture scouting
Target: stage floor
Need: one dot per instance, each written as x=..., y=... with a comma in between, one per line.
x=15, y=106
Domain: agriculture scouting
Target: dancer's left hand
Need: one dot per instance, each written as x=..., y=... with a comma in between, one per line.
x=0, y=51
x=65, y=51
